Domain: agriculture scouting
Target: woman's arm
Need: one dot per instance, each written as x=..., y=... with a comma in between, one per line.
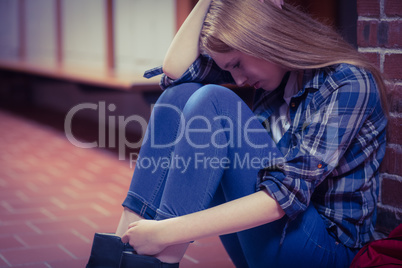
x=151, y=237
x=184, y=49
x=235, y=216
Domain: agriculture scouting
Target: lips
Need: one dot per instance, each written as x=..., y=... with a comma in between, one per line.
x=256, y=85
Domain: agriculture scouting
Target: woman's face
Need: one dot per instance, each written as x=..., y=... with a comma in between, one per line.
x=248, y=70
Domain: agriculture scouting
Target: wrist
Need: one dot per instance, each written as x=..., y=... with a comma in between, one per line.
x=173, y=231
x=166, y=233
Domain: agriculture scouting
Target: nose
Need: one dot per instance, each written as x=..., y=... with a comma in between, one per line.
x=240, y=79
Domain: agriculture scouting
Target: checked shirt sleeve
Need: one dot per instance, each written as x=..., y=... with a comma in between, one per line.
x=329, y=132
x=204, y=70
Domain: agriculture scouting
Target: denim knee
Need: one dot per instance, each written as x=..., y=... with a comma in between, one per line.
x=178, y=95
x=216, y=96
x=216, y=92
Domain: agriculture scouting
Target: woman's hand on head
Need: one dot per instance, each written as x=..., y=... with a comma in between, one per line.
x=278, y=3
x=145, y=236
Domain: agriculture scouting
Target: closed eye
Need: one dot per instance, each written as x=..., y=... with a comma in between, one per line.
x=237, y=65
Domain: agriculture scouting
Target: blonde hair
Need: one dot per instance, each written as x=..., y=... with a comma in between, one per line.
x=287, y=37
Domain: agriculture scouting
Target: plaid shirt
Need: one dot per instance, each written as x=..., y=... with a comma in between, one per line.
x=332, y=150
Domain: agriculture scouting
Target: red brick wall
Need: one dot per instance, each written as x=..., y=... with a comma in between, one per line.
x=379, y=30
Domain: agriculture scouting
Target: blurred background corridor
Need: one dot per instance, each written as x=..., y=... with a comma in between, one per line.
x=74, y=107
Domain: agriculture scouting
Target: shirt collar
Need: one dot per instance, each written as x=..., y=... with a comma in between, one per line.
x=292, y=87
x=315, y=78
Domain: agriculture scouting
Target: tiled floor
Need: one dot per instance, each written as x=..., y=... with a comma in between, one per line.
x=54, y=196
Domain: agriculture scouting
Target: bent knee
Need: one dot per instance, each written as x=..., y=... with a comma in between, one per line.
x=178, y=95
x=214, y=90
x=215, y=94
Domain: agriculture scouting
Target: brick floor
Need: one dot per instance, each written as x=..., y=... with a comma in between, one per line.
x=55, y=196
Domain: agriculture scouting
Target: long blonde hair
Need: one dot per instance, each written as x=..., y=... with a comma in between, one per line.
x=287, y=37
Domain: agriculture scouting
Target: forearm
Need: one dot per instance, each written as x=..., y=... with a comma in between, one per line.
x=184, y=48
x=238, y=215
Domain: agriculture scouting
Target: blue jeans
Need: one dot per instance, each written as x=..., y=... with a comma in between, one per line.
x=203, y=147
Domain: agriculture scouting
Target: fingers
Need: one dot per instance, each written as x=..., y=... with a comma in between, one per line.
x=278, y=3
x=125, y=238
x=131, y=225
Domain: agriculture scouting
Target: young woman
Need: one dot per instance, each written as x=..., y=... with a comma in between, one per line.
x=291, y=182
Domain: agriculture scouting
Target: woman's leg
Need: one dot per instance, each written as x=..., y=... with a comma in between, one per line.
x=224, y=147
x=211, y=142
x=306, y=243
x=158, y=141
x=223, y=144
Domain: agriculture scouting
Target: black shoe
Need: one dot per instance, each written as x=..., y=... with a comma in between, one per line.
x=108, y=251
x=130, y=260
